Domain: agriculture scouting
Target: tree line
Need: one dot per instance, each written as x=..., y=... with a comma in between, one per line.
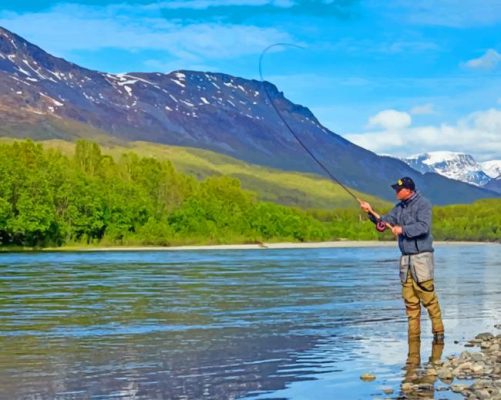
x=50, y=199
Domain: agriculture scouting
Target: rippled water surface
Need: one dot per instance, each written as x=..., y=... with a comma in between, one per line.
x=257, y=324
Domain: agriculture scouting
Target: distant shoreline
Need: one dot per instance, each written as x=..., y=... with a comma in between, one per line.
x=253, y=246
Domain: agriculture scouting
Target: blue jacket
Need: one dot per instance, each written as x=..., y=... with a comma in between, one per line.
x=414, y=216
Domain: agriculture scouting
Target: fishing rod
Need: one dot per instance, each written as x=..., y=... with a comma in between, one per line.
x=380, y=224
x=324, y=168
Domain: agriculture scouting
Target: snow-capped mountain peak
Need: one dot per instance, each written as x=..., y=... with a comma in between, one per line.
x=458, y=166
x=492, y=168
x=436, y=157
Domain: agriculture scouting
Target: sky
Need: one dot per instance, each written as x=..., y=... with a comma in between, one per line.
x=397, y=77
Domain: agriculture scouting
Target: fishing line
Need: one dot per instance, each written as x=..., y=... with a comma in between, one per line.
x=380, y=224
x=324, y=168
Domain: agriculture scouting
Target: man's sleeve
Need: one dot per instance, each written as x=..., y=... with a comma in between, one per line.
x=422, y=224
x=391, y=217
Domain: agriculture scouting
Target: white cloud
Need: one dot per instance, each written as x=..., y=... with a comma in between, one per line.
x=390, y=120
x=422, y=109
x=119, y=27
x=478, y=134
x=488, y=121
x=489, y=60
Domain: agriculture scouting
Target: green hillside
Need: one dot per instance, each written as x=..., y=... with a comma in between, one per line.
x=288, y=188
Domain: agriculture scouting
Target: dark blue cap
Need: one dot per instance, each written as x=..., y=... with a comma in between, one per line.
x=404, y=182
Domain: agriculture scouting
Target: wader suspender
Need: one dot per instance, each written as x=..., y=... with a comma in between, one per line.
x=417, y=283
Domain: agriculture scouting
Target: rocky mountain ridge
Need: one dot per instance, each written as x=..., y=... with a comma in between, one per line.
x=42, y=96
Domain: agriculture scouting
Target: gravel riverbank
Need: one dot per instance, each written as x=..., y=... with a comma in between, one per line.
x=480, y=369
x=474, y=374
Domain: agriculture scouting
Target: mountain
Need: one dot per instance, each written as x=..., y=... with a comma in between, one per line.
x=458, y=166
x=494, y=185
x=492, y=168
x=44, y=97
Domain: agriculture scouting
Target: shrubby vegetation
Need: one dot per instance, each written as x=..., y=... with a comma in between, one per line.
x=49, y=199
x=478, y=221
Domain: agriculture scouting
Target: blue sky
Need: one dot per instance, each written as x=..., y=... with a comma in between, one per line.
x=397, y=77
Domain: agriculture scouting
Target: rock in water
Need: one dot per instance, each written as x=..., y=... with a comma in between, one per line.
x=407, y=387
x=445, y=374
x=367, y=377
x=484, y=336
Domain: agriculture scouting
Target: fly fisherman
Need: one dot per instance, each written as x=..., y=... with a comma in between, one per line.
x=410, y=222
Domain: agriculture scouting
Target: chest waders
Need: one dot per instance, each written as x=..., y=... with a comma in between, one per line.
x=414, y=276
x=416, y=273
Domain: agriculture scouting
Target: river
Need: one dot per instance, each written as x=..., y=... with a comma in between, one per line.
x=253, y=324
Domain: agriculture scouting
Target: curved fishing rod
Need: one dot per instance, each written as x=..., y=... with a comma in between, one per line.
x=324, y=168
x=380, y=225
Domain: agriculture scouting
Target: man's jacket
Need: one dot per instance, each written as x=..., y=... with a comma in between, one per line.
x=414, y=216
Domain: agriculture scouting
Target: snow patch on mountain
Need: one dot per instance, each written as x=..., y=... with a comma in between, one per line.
x=492, y=168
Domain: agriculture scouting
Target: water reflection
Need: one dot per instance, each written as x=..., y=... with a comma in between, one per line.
x=203, y=364
x=419, y=380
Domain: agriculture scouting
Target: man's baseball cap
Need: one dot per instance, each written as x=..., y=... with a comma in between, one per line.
x=404, y=182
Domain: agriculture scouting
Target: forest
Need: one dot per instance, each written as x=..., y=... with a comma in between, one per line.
x=48, y=199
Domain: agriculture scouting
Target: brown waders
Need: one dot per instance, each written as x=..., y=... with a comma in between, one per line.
x=414, y=294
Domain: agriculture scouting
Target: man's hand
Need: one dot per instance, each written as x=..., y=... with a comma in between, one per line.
x=397, y=230
x=365, y=206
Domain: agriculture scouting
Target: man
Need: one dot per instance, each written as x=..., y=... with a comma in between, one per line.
x=410, y=221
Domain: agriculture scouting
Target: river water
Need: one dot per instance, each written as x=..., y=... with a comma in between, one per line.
x=253, y=324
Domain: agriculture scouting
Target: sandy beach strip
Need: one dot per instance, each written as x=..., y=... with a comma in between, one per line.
x=261, y=246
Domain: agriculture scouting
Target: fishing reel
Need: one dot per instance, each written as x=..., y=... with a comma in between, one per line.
x=380, y=224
